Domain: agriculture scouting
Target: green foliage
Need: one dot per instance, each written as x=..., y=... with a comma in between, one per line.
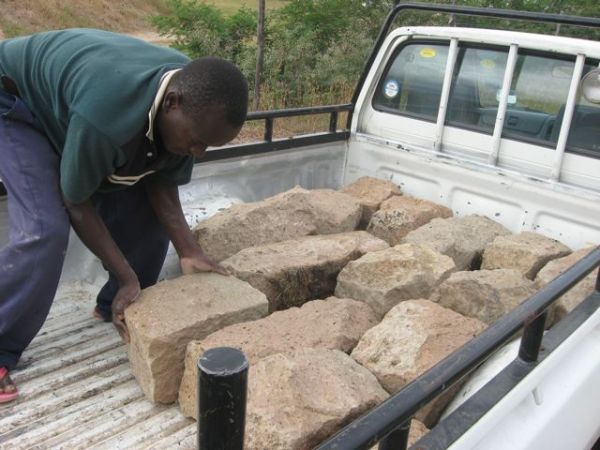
x=200, y=29
x=316, y=49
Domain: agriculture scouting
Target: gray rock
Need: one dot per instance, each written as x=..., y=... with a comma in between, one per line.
x=526, y=252
x=291, y=272
x=370, y=193
x=385, y=278
x=292, y=214
x=400, y=215
x=333, y=323
x=484, y=294
x=413, y=337
x=172, y=313
x=461, y=238
x=566, y=303
x=296, y=400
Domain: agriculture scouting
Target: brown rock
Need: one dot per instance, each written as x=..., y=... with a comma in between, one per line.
x=581, y=290
x=172, y=313
x=526, y=252
x=484, y=294
x=400, y=215
x=292, y=272
x=413, y=337
x=333, y=323
x=296, y=400
x=461, y=238
x=370, y=193
x=385, y=278
x=289, y=215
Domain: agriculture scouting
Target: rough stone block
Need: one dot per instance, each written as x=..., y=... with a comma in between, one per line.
x=462, y=238
x=484, y=294
x=333, y=323
x=566, y=303
x=413, y=337
x=400, y=215
x=385, y=278
x=172, y=313
x=370, y=193
x=296, y=400
x=526, y=252
x=289, y=215
x=292, y=272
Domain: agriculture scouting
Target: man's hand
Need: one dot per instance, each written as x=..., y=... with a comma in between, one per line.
x=126, y=295
x=200, y=263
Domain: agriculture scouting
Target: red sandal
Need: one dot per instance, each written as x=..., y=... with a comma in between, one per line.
x=5, y=382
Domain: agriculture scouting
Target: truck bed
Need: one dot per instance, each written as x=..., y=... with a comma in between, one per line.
x=77, y=389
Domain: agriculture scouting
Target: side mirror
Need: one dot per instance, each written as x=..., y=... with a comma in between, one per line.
x=590, y=86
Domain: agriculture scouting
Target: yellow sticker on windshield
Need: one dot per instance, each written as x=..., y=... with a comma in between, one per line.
x=488, y=63
x=427, y=52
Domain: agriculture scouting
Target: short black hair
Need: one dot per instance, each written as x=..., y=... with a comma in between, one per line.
x=212, y=81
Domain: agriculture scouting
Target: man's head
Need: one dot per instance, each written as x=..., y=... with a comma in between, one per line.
x=204, y=105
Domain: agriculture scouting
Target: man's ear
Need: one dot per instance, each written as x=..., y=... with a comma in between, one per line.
x=171, y=100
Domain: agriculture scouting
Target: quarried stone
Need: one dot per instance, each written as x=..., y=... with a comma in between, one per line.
x=400, y=215
x=413, y=337
x=385, y=278
x=292, y=214
x=172, y=313
x=462, y=238
x=333, y=323
x=297, y=400
x=575, y=295
x=526, y=252
x=291, y=272
x=484, y=294
x=370, y=193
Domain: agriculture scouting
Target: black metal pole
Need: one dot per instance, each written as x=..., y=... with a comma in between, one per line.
x=397, y=439
x=222, y=388
x=532, y=339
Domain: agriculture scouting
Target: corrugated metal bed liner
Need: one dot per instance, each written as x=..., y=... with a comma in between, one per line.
x=78, y=391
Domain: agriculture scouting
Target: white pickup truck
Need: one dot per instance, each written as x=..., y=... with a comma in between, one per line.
x=491, y=122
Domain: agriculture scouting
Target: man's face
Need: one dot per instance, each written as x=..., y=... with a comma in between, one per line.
x=183, y=136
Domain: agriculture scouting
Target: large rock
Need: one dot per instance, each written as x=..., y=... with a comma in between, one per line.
x=412, y=338
x=296, y=400
x=385, y=278
x=400, y=215
x=292, y=272
x=370, y=193
x=333, y=323
x=526, y=252
x=461, y=238
x=581, y=290
x=292, y=214
x=484, y=294
x=172, y=313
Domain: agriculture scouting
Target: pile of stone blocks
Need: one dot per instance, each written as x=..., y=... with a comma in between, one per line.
x=410, y=290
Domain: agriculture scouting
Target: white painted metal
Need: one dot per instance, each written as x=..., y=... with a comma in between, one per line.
x=554, y=408
x=499, y=126
x=568, y=115
x=441, y=118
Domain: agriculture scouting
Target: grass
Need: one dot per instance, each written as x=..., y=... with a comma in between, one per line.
x=231, y=6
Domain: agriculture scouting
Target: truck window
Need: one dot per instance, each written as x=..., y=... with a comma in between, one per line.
x=412, y=83
x=584, y=134
x=478, y=75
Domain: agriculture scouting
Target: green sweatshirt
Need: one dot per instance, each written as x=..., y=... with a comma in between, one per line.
x=91, y=91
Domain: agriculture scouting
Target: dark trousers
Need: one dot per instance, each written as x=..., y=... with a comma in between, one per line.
x=31, y=262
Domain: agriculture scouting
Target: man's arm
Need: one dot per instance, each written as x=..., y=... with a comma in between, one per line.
x=165, y=201
x=91, y=230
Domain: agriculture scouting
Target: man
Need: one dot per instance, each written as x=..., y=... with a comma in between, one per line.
x=97, y=130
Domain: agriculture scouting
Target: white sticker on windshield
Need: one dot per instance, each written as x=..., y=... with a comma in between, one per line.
x=392, y=88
